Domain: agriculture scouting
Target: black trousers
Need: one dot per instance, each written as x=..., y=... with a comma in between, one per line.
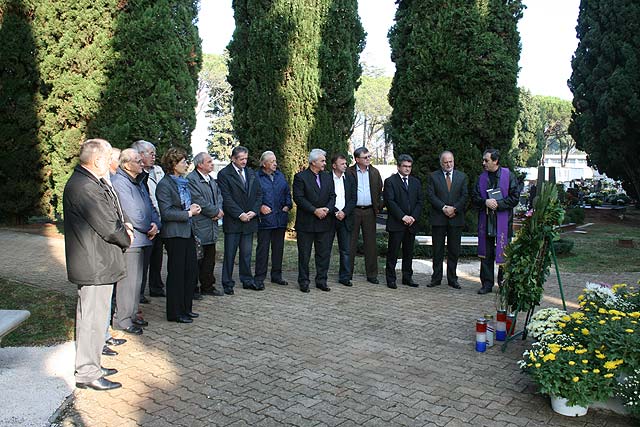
x=233, y=242
x=407, y=241
x=344, y=247
x=487, y=265
x=274, y=238
x=453, y=235
x=153, y=266
x=321, y=242
x=182, y=267
x=205, y=268
x=365, y=219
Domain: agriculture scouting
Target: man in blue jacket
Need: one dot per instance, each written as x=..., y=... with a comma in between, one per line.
x=276, y=202
x=137, y=206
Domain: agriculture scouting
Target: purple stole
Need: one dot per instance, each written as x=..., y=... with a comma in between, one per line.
x=502, y=217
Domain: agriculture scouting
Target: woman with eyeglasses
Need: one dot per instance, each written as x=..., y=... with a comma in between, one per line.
x=176, y=210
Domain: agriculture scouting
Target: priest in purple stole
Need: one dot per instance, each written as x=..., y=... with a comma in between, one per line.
x=495, y=195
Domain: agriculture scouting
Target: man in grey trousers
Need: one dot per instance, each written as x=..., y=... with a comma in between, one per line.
x=96, y=235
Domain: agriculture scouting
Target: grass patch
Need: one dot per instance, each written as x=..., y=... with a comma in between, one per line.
x=598, y=250
x=52, y=319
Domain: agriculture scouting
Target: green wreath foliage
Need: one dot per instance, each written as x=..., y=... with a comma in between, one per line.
x=528, y=256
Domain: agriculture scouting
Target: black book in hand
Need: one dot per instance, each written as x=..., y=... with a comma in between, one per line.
x=494, y=193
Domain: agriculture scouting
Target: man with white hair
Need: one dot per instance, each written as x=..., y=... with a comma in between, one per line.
x=315, y=197
x=153, y=259
x=96, y=236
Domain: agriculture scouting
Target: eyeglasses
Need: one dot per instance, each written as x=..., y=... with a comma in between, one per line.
x=365, y=157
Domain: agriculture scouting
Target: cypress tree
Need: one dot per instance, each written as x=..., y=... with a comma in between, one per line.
x=73, y=39
x=455, y=82
x=606, y=88
x=340, y=70
x=528, y=139
x=153, y=78
x=21, y=182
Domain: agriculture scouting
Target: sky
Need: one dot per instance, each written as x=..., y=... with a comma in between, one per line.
x=547, y=32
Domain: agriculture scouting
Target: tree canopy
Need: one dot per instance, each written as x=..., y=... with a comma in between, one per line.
x=606, y=88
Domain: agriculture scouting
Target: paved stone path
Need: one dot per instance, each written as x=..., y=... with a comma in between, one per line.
x=365, y=355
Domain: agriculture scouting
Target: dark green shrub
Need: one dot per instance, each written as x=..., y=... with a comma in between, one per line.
x=574, y=215
x=563, y=246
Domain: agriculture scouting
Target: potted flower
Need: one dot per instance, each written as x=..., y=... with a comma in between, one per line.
x=544, y=322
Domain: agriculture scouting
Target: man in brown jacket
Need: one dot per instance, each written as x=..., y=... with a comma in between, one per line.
x=368, y=204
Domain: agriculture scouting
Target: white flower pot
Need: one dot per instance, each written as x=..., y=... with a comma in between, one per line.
x=559, y=405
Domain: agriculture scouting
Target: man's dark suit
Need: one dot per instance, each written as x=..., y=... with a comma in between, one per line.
x=441, y=225
x=344, y=228
x=236, y=199
x=309, y=228
x=401, y=201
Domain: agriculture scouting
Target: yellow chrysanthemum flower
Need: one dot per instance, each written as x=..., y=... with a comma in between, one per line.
x=602, y=311
x=571, y=362
x=581, y=351
x=601, y=356
x=575, y=379
x=608, y=375
x=616, y=318
x=596, y=371
x=602, y=322
x=537, y=365
x=635, y=314
x=629, y=331
x=585, y=331
x=550, y=356
x=569, y=348
x=554, y=348
x=585, y=361
x=566, y=318
x=580, y=297
x=612, y=364
x=562, y=324
x=577, y=315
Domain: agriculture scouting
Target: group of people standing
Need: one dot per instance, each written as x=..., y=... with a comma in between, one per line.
x=114, y=219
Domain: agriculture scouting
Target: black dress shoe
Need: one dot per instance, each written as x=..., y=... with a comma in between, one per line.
x=100, y=384
x=484, y=290
x=433, y=284
x=159, y=293
x=213, y=292
x=192, y=315
x=346, y=282
x=250, y=285
x=392, y=285
x=133, y=330
x=324, y=288
x=184, y=319
x=108, y=371
x=373, y=280
x=280, y=282
x=197, y=297
x=411, y=284
x=106, y=351
x=304, y=288
x=229, y=291
x=260, y=286
x=455, y=285
x=144, y=300
x=140, y=322
x=115, y=341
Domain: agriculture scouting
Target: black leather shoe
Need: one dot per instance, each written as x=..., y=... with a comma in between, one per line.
x=304, y=288
x=108, y=371
x=411, y=284
x=373, y=280
x=484, y=290
x=140, y=322
x=214, y=292
x=260, y=286
x=324, y=288
x=106, y=351
x=159, y=293
x=392, y=285
x=455, y=285
x=115, y=341
x=184, y=319
x=229, y=291
x=433, y=284
x=197, y=297
x=346, y=282
x=251, y=286
x=193, y=315
x=100, y=384
x=133, y=330
x=144, y=300
x=280, y=282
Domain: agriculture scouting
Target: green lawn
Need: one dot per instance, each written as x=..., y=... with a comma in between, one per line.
x=597, y=251
x=52, y=315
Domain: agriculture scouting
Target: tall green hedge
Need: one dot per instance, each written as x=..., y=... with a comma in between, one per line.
x=455, y=82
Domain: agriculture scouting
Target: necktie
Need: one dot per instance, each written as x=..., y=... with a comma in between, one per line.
x=244, y=181
x=406, y=183
x=448, y=179
x=318, y=180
